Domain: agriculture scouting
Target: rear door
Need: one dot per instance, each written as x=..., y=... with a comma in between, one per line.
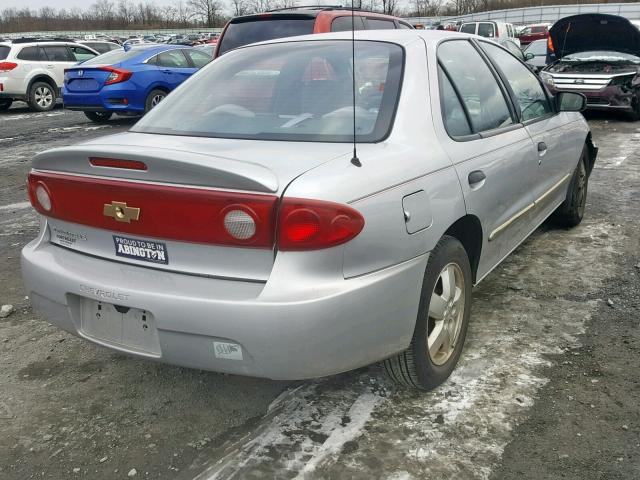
x=492, y=152
x=174, y=67
x=58, y=57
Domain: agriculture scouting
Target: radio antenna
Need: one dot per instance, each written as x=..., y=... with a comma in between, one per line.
x=354, y=160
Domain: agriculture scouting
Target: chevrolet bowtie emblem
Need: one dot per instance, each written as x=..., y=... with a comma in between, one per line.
x=120, y=212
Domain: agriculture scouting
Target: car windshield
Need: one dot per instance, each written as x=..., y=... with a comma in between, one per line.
x=537, y=48
x=243, y=33
x=601, y=56
x=295, y=91
x=113, y=57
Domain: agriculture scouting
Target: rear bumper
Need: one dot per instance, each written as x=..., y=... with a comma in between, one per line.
x=289, y=328
x=106, y=100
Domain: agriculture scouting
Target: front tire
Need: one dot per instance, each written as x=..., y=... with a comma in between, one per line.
x=571, y=210
x=154, y=98
x=443, y=319
x=98, y=117
x=5, y=104
x=42, y=97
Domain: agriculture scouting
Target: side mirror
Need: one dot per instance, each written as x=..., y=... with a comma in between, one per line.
x=571, y=102
x=529, y=56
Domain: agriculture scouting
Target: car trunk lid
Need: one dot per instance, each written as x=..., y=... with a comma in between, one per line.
x=87, y=79
x=165, y=206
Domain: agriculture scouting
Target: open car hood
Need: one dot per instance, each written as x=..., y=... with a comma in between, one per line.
x=594, y=31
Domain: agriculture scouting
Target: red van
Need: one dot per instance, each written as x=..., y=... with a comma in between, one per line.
x=294, y=21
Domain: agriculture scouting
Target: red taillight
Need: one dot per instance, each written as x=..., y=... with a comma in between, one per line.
x=549, y=44
x=176, y=213
x=313, y=224
x=117, y=75
x=7, y=66
x=117, y=163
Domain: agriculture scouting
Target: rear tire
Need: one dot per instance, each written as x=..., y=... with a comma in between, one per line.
x=5, y=104
x=42, y=97
x=443, y=319
x=98, y=117
x=154, y=98
x=571, y=211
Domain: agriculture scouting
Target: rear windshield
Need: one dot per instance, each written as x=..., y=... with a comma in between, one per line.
x=295, y=91
x=4, y=51
x=261, y=29
x=113, y=57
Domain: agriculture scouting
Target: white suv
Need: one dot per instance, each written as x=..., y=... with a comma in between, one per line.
x=33, y=70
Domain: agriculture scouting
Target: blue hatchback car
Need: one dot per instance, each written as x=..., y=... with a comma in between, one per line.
x=129, y=81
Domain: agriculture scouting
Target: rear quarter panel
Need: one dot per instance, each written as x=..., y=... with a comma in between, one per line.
x=409, y=161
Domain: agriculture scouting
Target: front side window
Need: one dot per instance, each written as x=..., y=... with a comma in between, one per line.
x=172, y=59
x=295, y=91
x=57, y=53
x=537, y=48
x=530, y=96
x=476, y=84
x=486, y=30
x=199, y=59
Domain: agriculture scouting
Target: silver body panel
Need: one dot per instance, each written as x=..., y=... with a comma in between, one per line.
x=312, y=313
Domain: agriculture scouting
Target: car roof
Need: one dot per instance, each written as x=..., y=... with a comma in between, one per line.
x=400, y=36
x=308, y=12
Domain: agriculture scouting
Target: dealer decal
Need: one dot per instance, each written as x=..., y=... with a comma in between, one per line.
x=144, y=250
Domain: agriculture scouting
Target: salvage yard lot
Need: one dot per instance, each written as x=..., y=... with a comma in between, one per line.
x=547, y=386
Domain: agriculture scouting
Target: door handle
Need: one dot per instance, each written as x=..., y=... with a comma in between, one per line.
x=476, y=179
x=167, y=71
x=542, y=148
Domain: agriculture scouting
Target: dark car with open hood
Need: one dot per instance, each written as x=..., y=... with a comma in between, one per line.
x=599, y=56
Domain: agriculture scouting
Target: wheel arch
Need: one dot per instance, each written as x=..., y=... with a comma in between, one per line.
x=41, y=77
x=468, y=231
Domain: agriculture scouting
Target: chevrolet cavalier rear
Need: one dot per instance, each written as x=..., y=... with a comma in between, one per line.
x=234, y=230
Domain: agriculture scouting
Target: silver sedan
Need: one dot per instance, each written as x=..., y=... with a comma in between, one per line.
x=235, y=229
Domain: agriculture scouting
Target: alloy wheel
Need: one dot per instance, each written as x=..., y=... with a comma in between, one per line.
x=43, y=97
x=156, y=100
x=446, y=311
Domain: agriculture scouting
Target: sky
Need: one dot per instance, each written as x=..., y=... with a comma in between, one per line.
x=36, y=4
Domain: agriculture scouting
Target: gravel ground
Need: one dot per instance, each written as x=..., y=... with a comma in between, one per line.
x=547, y=386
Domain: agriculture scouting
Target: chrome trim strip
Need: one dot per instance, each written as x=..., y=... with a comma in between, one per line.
x=550, y=191
x=495, y=232
x=535, y=203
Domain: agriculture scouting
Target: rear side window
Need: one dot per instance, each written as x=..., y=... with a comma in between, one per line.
x=478, y=88
x=4, y=51
x=537, y=29
x=486, y=30
x=343, y=24
x=29, y=53
x=377, y=24
x=258, y=30
x=468, y=28
x=58, y=53
x=453, y=114
x=81, y=53
x=172, y=59
x=102, y=47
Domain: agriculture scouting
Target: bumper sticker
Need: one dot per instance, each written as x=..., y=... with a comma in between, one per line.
x=144, y=250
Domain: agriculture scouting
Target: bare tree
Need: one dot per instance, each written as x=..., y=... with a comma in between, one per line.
x=240, y=7
x=207, y=10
